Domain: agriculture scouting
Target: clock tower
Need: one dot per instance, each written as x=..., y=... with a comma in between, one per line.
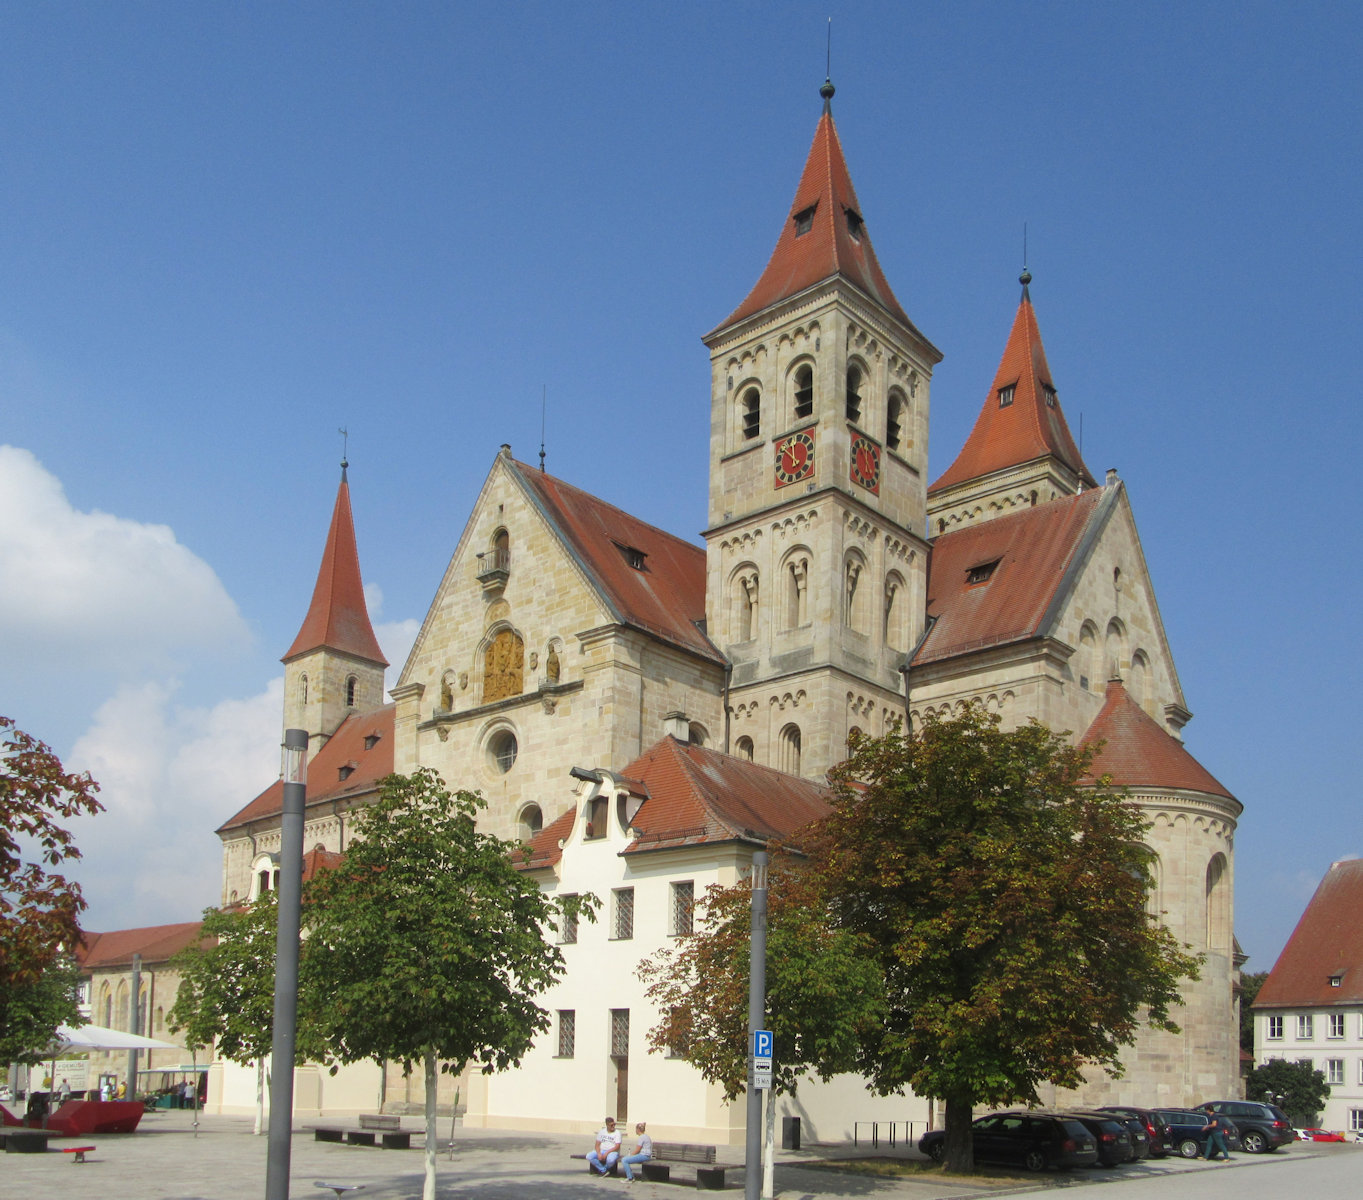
x=816, y=556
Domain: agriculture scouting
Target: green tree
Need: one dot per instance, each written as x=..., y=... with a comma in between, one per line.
x=1007, y=904
x=427, y=944
x=1250, y=984
x=226, y=993
x=824, y=990
x=1296, y=1087
x=39, y=906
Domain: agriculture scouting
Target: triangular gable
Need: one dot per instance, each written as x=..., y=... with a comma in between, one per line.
x=1327, y=944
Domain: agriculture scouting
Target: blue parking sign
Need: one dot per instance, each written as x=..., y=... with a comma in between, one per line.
x=762, y=1043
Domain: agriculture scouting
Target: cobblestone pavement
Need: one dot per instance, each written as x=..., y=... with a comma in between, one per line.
x=167, y=1159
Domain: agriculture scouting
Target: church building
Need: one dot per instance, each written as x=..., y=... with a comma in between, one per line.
x=645, y=712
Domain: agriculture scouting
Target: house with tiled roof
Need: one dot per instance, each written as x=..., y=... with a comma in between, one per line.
x=642, y=711
x=1311, y=1005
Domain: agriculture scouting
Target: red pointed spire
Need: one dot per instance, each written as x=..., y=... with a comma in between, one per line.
x=338, y=618
x=824, y=234
x=1025, y=425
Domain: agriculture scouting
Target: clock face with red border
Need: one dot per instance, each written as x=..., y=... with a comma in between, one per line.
x=865, y=462
x=794, y=458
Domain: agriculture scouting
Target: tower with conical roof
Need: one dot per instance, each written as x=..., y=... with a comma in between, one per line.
x=335, y=666
x=818, y=455
x=1020, y=452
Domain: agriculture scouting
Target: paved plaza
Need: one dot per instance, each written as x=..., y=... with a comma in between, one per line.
x=167, y=1159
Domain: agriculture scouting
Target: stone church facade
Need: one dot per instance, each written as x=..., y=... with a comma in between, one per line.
x=644, y=712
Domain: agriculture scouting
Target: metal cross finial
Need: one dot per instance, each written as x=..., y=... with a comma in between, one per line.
x=345, y=443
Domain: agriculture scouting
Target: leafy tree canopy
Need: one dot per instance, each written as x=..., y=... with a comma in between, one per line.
x=824, y=990
x=39, y=906
x=427, y=939
x=226, y=994
x=31, y=1011
x=1296, y=1087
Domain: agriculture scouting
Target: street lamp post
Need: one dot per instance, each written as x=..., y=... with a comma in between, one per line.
x=757, y=1008
x=286, y=963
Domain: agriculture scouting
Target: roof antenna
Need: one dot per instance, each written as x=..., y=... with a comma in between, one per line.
x=544, y=399
x=345, y=442
x=1026, y=277
x=827, y=90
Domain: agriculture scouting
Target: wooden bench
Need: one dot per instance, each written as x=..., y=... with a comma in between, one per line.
x=709, y=1174
x=78, y=1151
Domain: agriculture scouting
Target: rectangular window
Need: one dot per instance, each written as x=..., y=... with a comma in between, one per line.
x=622, y=913
x=1306, y=1027
x=683, y=907
x=1334, y=1070
x=567, y=1032
x=1356, y=1120
x=596, y=817
x=1360, y=1072
x=567, y=928
x=1006, y=395
x=1275, y=1027
x=1336, y=1025
x=620, y=1032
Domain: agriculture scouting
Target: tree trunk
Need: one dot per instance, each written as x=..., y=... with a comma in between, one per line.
x=428, y=1188
x=960, y=1145
x=260, y=1097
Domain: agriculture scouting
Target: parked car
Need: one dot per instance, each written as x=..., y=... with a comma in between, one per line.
x=1156, y=1131
x=1263, y=1127
x=1032, y=1140
x=1111, y=1134
x=1319, y=1135
x=1140, y=1136
x=1185, y=1134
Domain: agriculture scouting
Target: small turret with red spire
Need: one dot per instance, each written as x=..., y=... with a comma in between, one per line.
x=1021, y=451
x=334, y=666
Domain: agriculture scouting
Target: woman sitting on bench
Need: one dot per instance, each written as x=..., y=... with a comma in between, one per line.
x=642, y=1153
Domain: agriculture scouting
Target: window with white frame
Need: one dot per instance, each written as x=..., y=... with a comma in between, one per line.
x=1356, y=1120
x=1336, y=1025
x=1334, y=1070
x=1275, y=1028
x=622, y=913
x=683, y=907
x=1306, y=1027
x=1360, y=1072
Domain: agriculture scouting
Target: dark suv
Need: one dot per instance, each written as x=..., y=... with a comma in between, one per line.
x=1155, y=1128
x=1263, y=1127
x=1033, y=1140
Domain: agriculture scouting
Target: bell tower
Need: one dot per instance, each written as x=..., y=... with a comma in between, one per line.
x=816, y=556
x=335, y=666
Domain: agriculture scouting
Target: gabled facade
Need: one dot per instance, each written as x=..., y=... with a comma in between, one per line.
x=1311, y=1005
x=643, y=712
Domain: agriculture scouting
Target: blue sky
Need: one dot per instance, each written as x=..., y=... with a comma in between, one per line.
x=230, y=230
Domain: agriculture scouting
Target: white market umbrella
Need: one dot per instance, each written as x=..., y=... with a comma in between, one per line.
x=96, y=1037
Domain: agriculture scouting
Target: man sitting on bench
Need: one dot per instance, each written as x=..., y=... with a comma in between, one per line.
x=603, y=1156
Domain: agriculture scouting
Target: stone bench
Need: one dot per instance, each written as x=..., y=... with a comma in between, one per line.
x=374, y=1130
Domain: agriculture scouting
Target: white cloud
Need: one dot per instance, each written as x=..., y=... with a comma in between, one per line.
x=95, y=590
x=169, y=775
x=395, y=640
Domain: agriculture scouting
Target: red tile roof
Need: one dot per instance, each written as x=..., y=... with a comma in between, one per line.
x=318, y=859
x=1038, y=552
x=1139, y=753
x=697, y=796
x=828, y=248
x=156, y=944
x=1327, y=941
x=345, y=748
x=666, y=597
x=1026, y=429
x=338, y=617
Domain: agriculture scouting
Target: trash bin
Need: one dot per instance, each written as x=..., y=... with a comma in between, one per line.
x=790, y=1133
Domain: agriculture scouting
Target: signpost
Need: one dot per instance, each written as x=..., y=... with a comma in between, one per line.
x=762, y=1044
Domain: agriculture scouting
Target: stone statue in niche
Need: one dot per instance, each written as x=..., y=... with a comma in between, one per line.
x=446, y=694
x=551, y=665
x=503, y=667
